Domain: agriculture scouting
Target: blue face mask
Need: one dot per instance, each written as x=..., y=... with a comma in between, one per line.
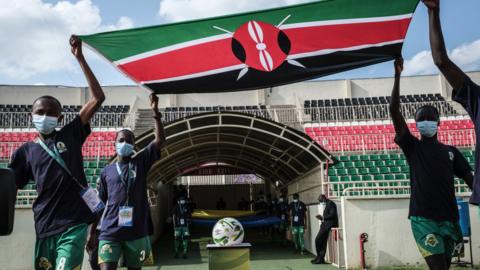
x=124, y=149
x=44, y=124
x=427, y=128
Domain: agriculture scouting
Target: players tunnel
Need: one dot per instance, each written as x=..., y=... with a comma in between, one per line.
x=238, y=142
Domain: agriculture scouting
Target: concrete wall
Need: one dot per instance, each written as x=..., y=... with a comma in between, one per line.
x=308, y=187
x=293, y=94
x=390, y=241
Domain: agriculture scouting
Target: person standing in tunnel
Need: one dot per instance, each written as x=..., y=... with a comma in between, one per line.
x=181, y=219
x=329, y=219
x=298, y=220
x=282, y=213
x=126, y=225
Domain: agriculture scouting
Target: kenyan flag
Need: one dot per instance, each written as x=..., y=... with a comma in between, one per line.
x=259, y=49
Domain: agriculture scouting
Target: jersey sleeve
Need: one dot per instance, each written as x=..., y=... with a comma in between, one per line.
x=77, y=130
x=21, y=168
x=460, y=165
x=468, y=96
x=406, y=142
x=148, y=156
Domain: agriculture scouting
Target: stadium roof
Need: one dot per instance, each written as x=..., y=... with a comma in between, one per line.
x=251, y=144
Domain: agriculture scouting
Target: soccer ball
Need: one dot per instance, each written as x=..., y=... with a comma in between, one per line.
x=227, y=232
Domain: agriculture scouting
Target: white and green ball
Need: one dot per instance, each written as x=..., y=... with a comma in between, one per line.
x=227, y=232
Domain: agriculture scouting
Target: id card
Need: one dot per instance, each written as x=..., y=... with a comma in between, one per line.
x=90, y=197
x=125, y=216
x=182, y=221
x=283, y=217
x=295, y=219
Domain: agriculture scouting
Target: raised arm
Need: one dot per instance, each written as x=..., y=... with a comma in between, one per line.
x=159, y=131
x=399, y=123
x=97, y=97
x=454, y=75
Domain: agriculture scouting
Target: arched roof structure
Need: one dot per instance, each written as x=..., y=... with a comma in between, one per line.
x=245, y=142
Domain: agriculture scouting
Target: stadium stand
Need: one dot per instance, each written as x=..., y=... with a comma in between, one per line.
x=373, y=108
x=372, y=136
x=19, y=116
x=173, y=113
x=388, y=172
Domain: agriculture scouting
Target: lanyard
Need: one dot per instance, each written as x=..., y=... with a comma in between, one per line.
x=127, y=182
x=296, y=205
x=58, y=158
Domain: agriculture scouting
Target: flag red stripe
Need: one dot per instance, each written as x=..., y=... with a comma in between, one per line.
x=218, y=54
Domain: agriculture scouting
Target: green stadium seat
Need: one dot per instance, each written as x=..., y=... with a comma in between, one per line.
x=380, y=163
x=379, y=177
x=343, y=158
x=401, y=162
x=332, y=172
x=374, y=157
x=395, y=170
x=356, y=178
x=363, y=171
x=384, y=170
x=367, y=178
x=389, y=177
x=89, y=171
x=348, y=164
x=374, y=170
x=358, y=164
x=334, y=178
x=345, y=178
x=389, y=162
x=338, y=165
x=394, y=156
x=405, y=169
x=354, y=158
x=364, y=157
x=341, y=172
x=369, y=164
x=400, y=176
x=352, y=171
x=467, y=153
x=385, y=157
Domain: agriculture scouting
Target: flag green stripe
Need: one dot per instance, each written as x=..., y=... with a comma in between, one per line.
x=125, y=43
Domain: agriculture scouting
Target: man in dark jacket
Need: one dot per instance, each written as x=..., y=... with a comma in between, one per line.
x=329, y=220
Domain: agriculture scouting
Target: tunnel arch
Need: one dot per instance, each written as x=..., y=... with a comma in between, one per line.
x=263, y=147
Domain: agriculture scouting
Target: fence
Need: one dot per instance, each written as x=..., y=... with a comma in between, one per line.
x=335, y=248
x=388, y=188
x=99, y=120
x=374, y=112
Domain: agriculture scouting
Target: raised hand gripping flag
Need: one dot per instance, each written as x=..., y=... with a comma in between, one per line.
x=259, y=49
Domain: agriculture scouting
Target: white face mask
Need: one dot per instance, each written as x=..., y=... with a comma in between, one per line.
x=182, y=202
x=295, y=200
x=44, y=124
x=323, y=204
x=280, y=200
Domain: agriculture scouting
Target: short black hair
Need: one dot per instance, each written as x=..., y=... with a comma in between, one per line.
x=50, y=98
x=427, y=109
x=295, y=195
x=126, y=131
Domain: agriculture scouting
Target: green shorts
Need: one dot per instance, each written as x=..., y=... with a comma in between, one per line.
x=61, y=251
x=436, y=237
x=135, y=252
x=298, y=229
x=181, y=232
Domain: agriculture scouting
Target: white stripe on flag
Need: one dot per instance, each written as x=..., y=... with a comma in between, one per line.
x=296, y=56
x=225, y=36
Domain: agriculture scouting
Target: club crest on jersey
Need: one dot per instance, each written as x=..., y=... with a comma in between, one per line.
x=431, y=240
x=61, y=147
x=450, y=155
x=44, y=263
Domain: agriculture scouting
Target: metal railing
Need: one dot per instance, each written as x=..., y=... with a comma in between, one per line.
x=374, y=112
x=385, y=188
x=90, y=149
x=335, y=248
x=12, y=120
x=385, y=142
